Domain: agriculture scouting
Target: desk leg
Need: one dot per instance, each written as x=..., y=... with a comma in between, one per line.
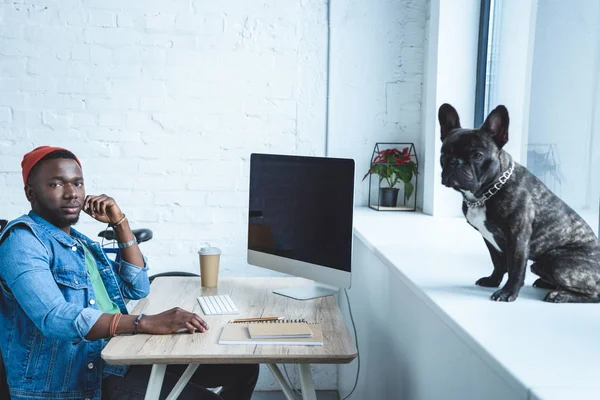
x=183, y=380
x=285, y=386
x=155, y=382
x=306, y=382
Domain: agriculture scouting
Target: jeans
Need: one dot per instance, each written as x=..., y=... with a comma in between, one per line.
x=238, y=382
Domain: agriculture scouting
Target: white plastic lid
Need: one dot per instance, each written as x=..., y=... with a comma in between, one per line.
x=208, y=250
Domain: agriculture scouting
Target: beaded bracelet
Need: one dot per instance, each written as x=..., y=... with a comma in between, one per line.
x=136, y=323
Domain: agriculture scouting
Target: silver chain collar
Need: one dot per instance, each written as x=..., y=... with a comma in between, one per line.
x=493, y=190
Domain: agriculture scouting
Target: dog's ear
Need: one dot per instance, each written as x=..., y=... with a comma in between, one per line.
x=496, y=124
x=449, y=120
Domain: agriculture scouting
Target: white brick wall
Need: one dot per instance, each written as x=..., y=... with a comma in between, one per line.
x=164, y=102
x=377, y=62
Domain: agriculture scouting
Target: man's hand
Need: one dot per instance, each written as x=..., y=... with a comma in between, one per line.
x=102, y=208
x=170, y=321
x=160, y=324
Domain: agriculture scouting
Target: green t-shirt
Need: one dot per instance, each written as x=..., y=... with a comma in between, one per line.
x=105, y=304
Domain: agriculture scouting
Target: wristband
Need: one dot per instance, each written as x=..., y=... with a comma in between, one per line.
x=119, y=222
x=136, y=323
x=127, y=244
x=114, y=322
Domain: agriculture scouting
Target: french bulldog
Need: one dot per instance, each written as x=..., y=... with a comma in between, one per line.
x=519, y=218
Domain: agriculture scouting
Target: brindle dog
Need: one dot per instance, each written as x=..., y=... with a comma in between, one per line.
x=518, y=216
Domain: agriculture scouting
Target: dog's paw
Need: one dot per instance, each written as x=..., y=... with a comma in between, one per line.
x=488, y=281
x=542, y=284
x=556, y=296
x=505, y=295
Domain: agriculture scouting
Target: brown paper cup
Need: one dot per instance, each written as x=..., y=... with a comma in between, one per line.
x=209, y=266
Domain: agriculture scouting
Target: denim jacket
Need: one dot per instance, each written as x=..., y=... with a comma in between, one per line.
x=47, y=308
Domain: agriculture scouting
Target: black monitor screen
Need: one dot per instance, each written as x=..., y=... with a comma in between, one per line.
x=301, y=208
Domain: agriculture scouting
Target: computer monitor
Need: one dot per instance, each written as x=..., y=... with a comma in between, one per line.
x=300, y=220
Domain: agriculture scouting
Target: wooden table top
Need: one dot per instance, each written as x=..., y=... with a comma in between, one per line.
x=254, y=298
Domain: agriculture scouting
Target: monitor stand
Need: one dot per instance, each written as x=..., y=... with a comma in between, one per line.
x=308, y=292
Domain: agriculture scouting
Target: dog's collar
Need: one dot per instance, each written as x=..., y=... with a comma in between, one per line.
x=493, y=190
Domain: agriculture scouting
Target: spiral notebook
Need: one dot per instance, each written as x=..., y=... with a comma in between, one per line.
x=280, y=333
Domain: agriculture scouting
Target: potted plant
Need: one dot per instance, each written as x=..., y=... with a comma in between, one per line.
x=393, y=166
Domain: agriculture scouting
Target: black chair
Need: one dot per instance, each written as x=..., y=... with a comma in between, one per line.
x=143, y=235
x=3, y=384
x=173, y=273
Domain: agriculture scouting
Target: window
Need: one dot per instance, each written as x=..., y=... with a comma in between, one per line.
x=560, y=139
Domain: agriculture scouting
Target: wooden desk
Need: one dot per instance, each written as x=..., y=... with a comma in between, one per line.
x=253, y=298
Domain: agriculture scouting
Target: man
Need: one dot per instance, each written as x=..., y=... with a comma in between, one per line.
x=61, y=298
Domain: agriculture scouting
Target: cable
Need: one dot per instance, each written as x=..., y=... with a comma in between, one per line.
x=299, y=392
x=296, y=391
x=111, y=243
x=102, y=242
x=357, y=349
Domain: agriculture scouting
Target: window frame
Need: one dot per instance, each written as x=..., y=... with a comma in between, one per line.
x=482, y=61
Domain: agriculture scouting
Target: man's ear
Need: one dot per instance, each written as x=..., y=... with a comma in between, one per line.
x=449, y=120
x=496, y=124
x=29, y=193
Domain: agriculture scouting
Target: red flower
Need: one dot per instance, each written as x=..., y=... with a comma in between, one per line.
x=394, y=165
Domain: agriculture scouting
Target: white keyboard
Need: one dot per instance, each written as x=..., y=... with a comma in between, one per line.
x=217, y=305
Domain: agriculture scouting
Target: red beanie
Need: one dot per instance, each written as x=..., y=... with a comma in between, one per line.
x=34, y=156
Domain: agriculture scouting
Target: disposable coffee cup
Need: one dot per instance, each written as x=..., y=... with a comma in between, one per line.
x=209, y=266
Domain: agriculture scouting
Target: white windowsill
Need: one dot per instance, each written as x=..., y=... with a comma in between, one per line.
x=551, y=349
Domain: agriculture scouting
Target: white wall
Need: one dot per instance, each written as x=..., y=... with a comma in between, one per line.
x=453, y=30
x=377, y=56
x=163, y=102
x=407, y=350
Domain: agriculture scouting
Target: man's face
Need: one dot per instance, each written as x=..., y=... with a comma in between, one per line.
x=55, y=191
